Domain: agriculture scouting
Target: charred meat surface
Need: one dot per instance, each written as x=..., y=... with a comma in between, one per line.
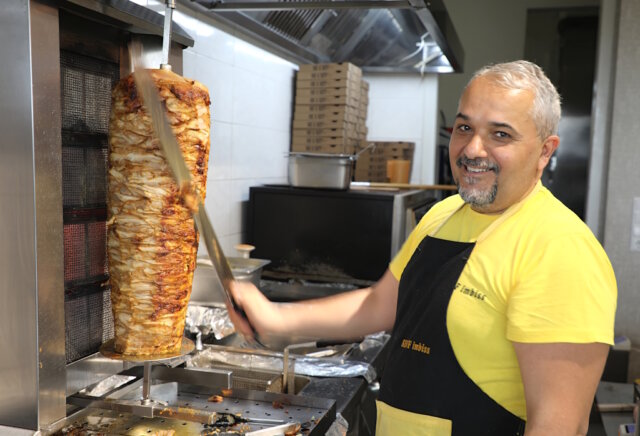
x=151, y=239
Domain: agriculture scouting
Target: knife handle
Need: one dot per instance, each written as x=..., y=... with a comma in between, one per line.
x=243, y=315
x=240, y=311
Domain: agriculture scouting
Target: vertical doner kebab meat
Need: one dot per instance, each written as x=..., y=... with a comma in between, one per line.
x=151, y=239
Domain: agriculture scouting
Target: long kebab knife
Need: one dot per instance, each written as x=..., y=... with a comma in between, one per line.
x=188, y=191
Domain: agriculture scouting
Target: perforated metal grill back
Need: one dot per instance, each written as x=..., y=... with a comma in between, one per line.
x=85, y=253
x=86, y=92
x=88, y=323
x=84, y=176
x=86, y=84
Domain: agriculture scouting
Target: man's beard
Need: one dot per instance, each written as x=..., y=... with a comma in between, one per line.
x=477, y=197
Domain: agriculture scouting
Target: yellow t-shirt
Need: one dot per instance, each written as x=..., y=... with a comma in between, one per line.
x=536, y=275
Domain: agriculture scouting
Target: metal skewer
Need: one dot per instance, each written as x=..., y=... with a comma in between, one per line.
x=166, y=34
x=146, y=383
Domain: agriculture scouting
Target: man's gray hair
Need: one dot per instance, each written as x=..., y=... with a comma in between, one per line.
x=527, y=75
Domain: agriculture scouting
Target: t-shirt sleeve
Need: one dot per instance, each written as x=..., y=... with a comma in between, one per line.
x=568, y=294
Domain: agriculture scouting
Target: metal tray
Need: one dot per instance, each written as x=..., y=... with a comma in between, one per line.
x=120, y=411
x=320, y=170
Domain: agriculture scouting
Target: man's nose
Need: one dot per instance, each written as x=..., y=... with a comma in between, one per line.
x=475, y=148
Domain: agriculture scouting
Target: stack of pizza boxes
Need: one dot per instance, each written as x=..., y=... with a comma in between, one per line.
x=330, y=109
x=371, y=165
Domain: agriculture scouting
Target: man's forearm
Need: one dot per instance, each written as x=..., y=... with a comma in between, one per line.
x=337, y=317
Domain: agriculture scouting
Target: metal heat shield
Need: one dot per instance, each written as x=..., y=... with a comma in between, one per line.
x=32, y=364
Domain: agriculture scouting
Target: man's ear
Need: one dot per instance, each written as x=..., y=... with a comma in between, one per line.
x=548, y=147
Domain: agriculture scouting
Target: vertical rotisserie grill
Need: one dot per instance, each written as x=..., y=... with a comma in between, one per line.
x=86, y=84
x=62, y=60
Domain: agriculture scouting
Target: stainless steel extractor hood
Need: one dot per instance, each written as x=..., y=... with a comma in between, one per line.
x=127, y=15
x=376, y=35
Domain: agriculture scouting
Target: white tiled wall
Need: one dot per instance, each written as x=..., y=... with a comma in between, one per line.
x=403, y=107
x=251, y=104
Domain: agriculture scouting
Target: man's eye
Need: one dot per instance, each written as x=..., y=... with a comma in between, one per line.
x=463, y=128
x=502, y=135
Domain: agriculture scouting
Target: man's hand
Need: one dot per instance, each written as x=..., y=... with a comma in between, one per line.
x=560, y=381
x=265, y=317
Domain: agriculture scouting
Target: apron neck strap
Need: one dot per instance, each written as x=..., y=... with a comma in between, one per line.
x=511, y=210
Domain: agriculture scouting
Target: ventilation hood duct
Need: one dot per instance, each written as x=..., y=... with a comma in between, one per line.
x=376, y=35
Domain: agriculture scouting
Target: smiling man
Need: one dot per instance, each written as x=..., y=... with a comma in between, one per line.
x=501, y=301
x=496, y=142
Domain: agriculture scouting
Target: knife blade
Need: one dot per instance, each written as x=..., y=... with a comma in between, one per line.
x=190, y=195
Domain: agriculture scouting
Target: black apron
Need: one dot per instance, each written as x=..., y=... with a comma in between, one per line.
x=422, y=374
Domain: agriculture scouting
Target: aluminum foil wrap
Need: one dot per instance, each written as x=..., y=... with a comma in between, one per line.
x=375, y=340
x=107, y=385
x=209, y=320
x=328, y=367
x=302, y=365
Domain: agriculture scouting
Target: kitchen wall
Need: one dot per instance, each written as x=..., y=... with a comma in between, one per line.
x=251, y=93
x=624, y=182
x=403, y=107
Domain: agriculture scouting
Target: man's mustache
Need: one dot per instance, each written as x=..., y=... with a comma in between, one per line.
x=477, y=163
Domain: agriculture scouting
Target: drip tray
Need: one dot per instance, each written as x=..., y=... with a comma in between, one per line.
x=99, y=422
x=257, y=410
